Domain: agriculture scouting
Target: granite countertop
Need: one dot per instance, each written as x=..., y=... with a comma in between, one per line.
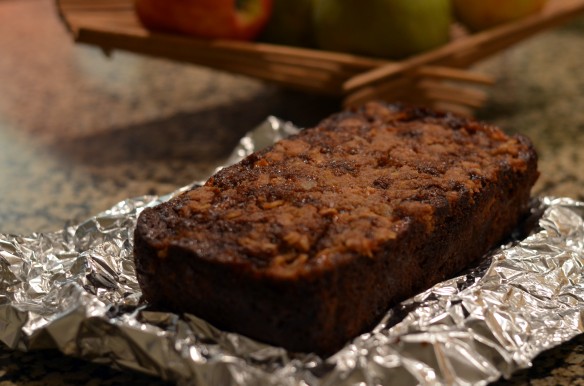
x=80, y=132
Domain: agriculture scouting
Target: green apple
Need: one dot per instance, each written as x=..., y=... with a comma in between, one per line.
x=383, y=28
x=290, y=23
x=478, y=15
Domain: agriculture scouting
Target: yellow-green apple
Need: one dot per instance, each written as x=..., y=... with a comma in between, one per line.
x=478, y=15
x=383, y=28
x=290, y=23
x=227, y=19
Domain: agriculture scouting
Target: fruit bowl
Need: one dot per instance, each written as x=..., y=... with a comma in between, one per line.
x=439, y=78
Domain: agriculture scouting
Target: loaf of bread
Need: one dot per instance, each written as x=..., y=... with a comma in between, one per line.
x=306, y=244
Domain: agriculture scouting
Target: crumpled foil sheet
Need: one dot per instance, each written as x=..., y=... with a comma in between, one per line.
x=76, y=291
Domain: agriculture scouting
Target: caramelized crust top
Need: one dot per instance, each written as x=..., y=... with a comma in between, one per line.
x=351, y=185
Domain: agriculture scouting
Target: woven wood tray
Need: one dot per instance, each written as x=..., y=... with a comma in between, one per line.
x=438, y=77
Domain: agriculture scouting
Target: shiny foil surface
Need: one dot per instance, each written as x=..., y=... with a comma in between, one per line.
x=76, y=291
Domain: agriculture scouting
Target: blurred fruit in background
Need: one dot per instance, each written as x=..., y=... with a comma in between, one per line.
x=478, y=15
x=290, y=23
x=391, y=29
x=383, y=28
x=227, y=19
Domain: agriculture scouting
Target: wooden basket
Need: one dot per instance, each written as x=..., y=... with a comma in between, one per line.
x=438, y=77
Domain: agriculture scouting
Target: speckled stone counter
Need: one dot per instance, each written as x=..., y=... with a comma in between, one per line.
x=80, y=132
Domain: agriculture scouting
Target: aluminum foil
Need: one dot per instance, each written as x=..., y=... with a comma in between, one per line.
x=76, y=291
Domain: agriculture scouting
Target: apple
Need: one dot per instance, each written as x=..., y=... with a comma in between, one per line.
x=224, y=19
x=290, y=23
x=383, y=28
x=478, y=15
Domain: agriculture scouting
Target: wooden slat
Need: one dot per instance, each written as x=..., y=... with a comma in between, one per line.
x=112, y=24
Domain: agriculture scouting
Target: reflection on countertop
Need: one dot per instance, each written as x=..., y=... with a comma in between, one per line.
x=80, y=132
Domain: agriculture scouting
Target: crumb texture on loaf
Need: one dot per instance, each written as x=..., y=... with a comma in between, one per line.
x=349, y=215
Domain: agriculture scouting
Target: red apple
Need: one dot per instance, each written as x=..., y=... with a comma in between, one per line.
x=478, y=15
x=224, y=19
